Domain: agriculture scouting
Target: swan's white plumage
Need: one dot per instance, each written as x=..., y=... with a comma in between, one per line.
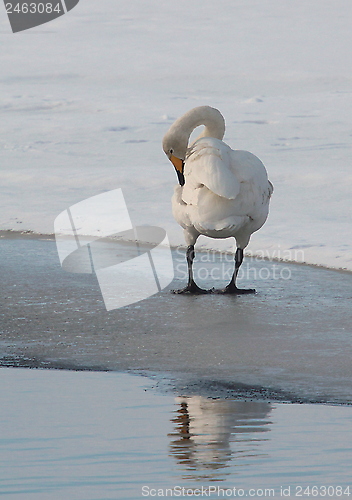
x=226, y=192
x=207, y=164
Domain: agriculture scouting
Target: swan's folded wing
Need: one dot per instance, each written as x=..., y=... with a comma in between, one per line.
x=210, y=166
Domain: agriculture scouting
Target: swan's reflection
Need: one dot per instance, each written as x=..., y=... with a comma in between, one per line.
x=209, y=434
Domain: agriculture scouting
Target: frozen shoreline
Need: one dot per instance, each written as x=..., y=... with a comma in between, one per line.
x=260, y=256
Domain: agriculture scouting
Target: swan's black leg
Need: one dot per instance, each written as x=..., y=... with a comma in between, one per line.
x=191, y=287
x=231, y=287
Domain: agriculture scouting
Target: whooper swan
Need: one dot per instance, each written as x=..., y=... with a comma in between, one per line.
x=221, y=193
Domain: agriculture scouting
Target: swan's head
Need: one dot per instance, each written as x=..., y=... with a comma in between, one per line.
x=175, y=147
x=175, y=142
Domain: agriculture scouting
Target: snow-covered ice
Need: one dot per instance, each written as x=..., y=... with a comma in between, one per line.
x=87, y=98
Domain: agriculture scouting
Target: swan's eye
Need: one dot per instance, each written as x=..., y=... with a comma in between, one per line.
x=171, y=151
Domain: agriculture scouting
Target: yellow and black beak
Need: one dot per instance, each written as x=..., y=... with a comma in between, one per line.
x=179, y=166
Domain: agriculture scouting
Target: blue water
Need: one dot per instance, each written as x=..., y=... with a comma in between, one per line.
x=69, y=435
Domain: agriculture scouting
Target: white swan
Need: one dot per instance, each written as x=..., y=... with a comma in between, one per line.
x=221, y=192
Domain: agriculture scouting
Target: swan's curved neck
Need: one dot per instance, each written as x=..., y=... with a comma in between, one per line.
x=211, y=118
x=180, y=131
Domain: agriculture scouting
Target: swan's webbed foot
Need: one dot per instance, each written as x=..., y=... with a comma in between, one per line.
x=233, y=290
x=192, y=288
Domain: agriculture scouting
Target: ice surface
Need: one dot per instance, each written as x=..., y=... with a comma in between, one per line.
x=291, y=341
x=87, y=98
